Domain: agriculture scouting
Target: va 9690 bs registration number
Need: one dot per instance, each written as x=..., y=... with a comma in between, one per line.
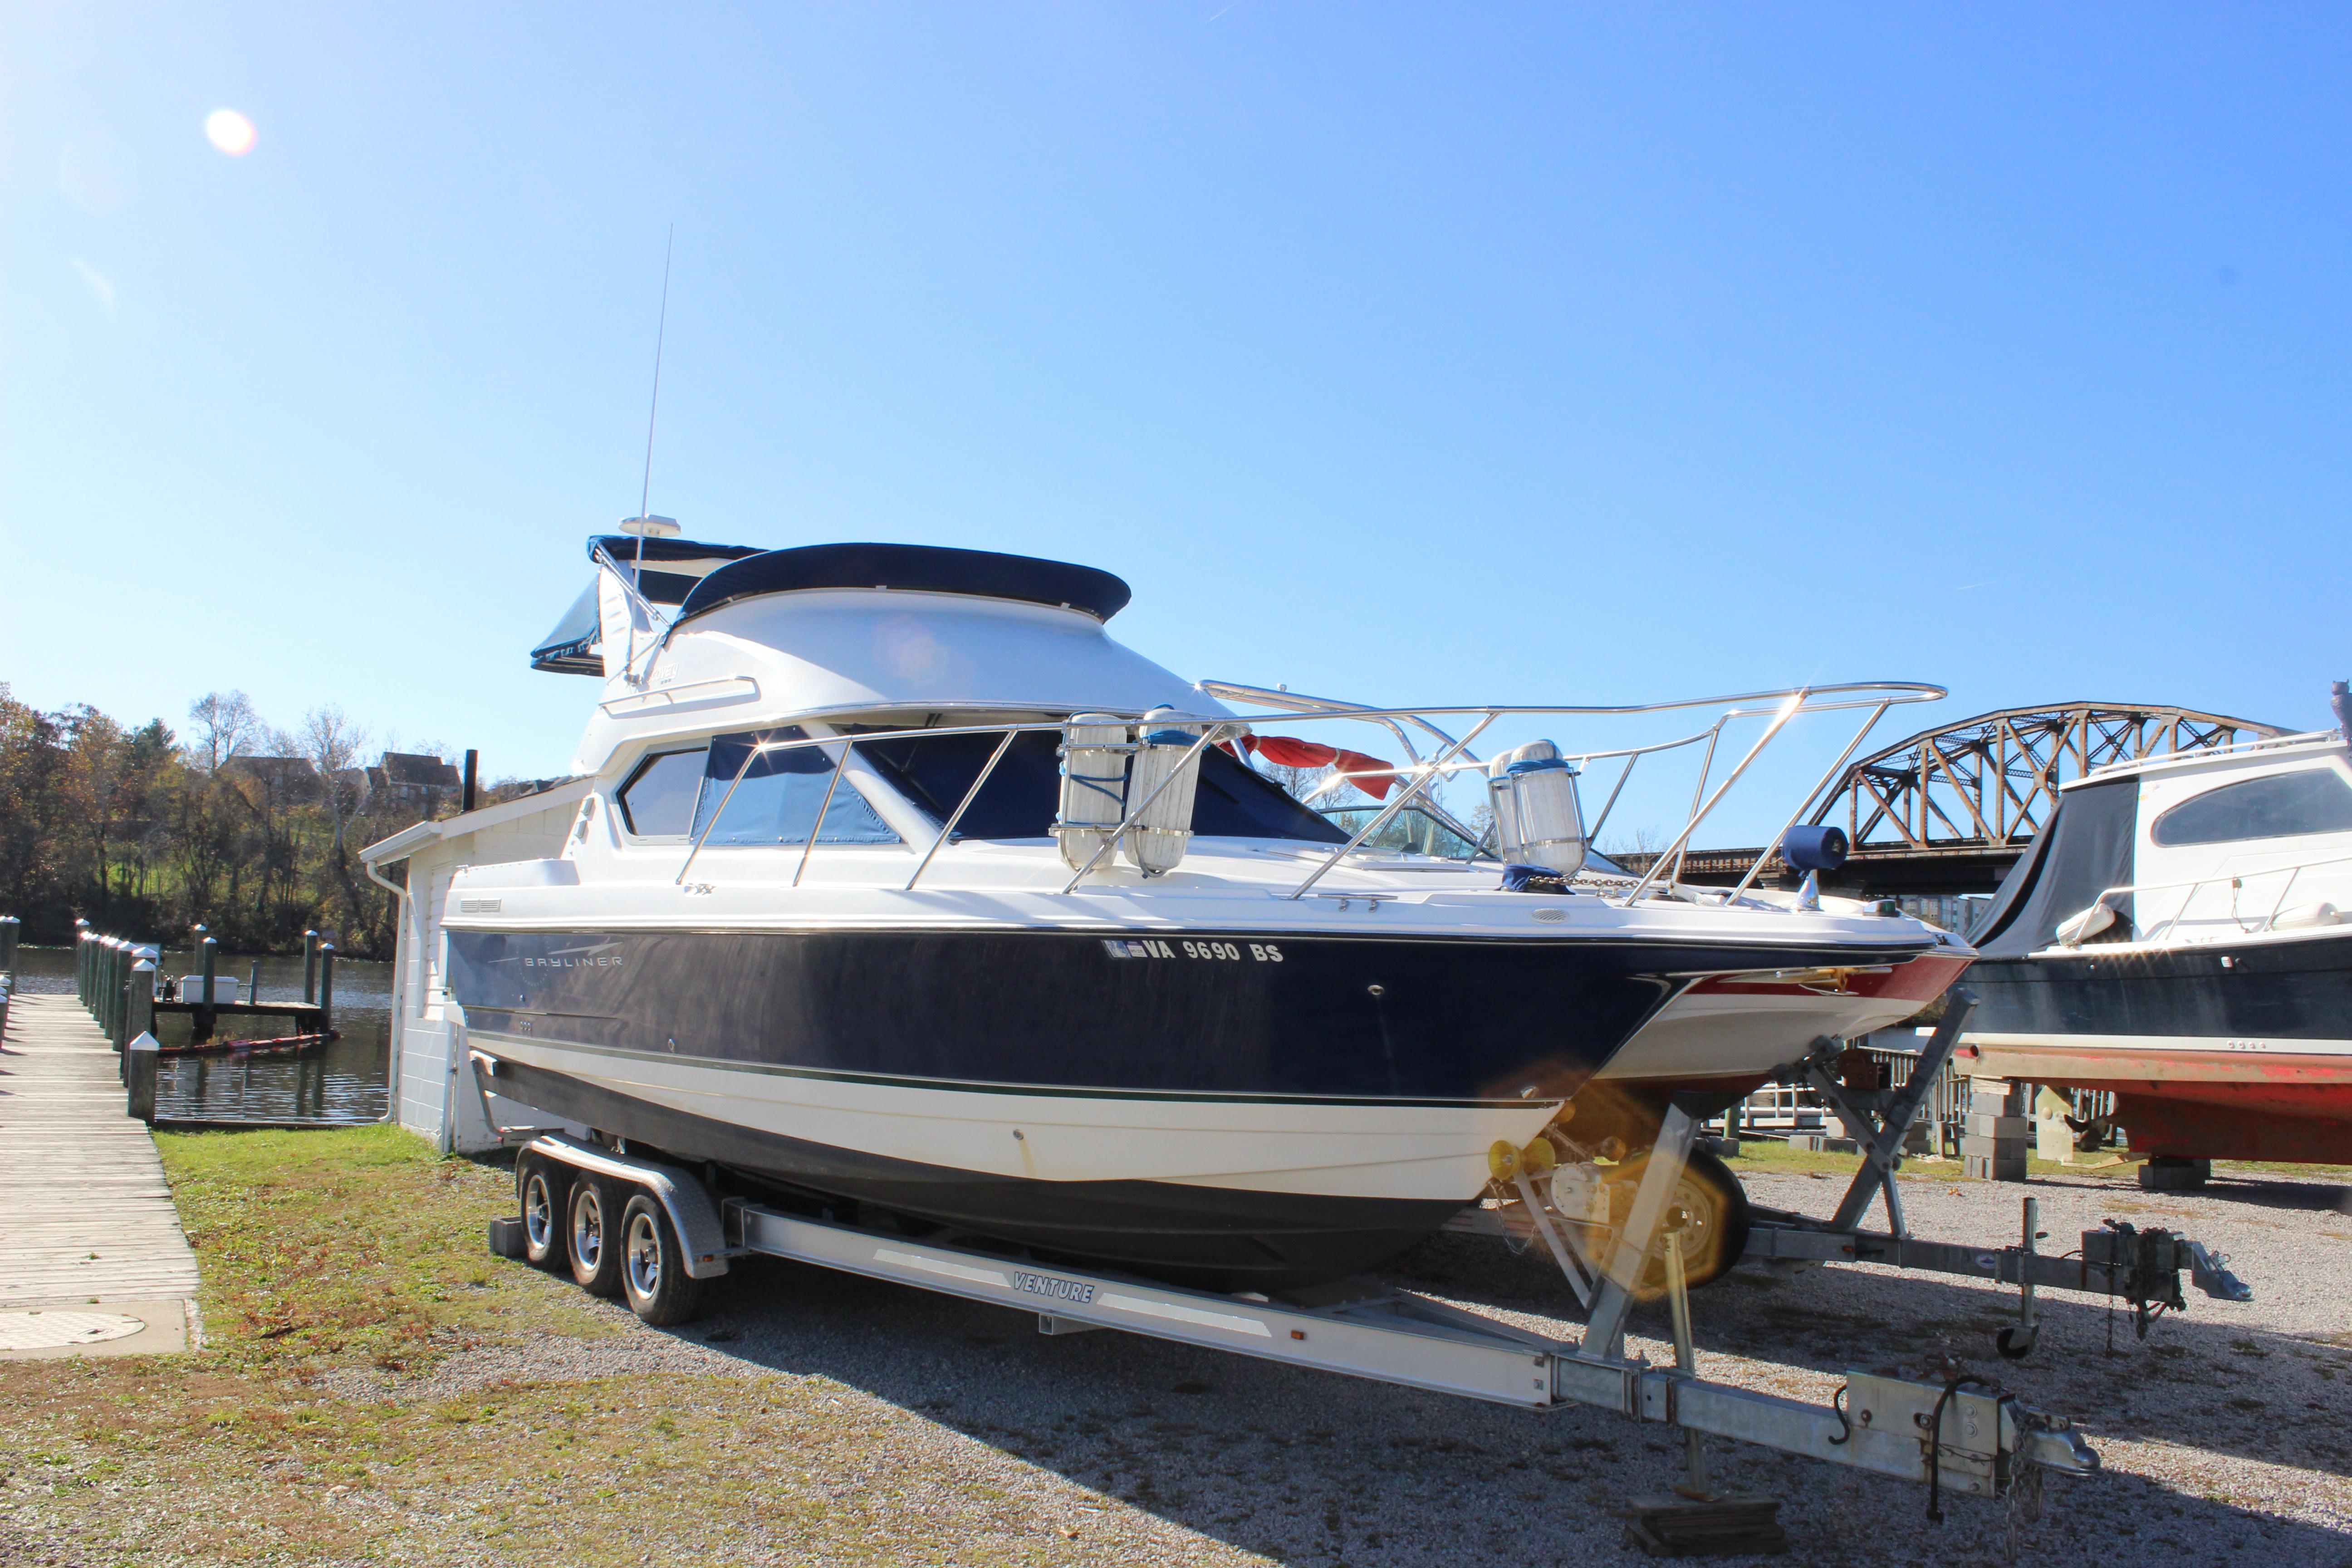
x=1153, y=947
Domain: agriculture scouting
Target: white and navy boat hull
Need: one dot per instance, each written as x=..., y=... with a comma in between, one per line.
x=1249, y=1110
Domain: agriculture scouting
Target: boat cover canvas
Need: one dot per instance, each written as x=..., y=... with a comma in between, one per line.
x=2086, y=850
x=570, y=648
x=671, y=568
x=1371, y=775
x=925, y=568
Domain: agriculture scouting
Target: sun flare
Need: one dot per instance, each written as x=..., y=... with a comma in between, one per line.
x=230, y=131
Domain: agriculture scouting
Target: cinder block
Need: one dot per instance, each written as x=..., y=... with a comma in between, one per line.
x=1996, y=1097
x=1995, y=1148
x=1990, y=1169
x=1982, y=1126
x=2174, y=1175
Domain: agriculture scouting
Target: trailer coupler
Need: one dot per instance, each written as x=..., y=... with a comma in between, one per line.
x=2140, y=1267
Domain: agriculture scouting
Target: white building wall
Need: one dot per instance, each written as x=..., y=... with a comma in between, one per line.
x=437, y=1097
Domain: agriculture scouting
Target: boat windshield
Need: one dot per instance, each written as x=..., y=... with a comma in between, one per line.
x=1411, y=831
x=1416, y=831
x=1020, y=800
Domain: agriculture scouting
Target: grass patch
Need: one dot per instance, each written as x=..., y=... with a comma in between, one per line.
x=331, y=1259
x=1768, y=1156
x=358, y=1245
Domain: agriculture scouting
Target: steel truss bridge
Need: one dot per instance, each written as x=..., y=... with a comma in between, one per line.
x=1950, y=810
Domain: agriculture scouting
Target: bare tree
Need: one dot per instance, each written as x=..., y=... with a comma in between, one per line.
x=1639, y=841
x=331, y=743
x=225, y=723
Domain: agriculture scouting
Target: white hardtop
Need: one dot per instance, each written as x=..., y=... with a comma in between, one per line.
x=2245, y=754
x=781, y=658
x=2259, y=888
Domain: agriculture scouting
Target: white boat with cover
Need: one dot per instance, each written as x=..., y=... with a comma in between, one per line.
x=2176, y=935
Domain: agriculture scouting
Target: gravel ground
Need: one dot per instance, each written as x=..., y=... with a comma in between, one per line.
x=2223, y=1434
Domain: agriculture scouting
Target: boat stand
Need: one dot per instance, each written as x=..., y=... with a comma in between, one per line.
x=1973, y=1442
x=2140, y=1267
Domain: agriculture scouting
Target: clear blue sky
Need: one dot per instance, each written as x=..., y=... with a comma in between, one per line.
x=1414, y=354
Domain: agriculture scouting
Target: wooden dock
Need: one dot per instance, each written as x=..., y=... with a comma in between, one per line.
x=87, y=1215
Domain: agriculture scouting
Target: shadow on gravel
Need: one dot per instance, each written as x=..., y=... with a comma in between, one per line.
x=2287, y=1193
x=2197, y=1380
x=2300, y=1197
x=1315, y=1469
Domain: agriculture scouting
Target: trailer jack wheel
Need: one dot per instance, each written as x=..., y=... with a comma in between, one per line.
x=1708, y=1210
x=652, y=1267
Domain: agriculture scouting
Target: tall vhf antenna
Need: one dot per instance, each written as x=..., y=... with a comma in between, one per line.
x=661, y=331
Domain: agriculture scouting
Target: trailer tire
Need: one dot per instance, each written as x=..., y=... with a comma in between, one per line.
x=1714, y=1217
x=652, y=1267
x=544, y=1189
x=591, y=1235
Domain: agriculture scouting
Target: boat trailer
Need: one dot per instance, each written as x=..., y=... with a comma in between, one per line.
x=1958, y=1435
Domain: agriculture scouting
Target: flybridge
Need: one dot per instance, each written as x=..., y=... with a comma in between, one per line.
x=659, y=582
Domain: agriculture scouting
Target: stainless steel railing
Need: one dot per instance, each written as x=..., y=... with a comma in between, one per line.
x=1415, y=779
x=2237, y=881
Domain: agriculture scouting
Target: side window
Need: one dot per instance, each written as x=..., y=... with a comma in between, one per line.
x=659, y=797
x=935, y=772
x=762, y=791
x=2282, y=805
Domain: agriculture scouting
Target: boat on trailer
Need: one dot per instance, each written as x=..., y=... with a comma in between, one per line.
x=2176, y=935
x=902, y=884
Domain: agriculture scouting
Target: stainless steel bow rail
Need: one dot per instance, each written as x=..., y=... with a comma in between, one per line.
x=1971, y=1441
x=1416, y=780
x=1778, y=707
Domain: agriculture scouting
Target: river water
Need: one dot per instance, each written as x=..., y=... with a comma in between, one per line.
x=348, y=1081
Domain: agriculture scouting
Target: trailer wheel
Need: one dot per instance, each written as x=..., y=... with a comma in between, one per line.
x=1708, y=1208
x=593, y=1235
x=652, y=1267
x=545, y=1189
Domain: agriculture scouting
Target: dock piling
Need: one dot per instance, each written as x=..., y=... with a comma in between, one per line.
x=205, y=1017
x=309, y=966
x=139, y=1023
x=109, y=993
x=139, y=1059
x=253, y=982
x=81, y=961
x=9, y=925
x=326, y=987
